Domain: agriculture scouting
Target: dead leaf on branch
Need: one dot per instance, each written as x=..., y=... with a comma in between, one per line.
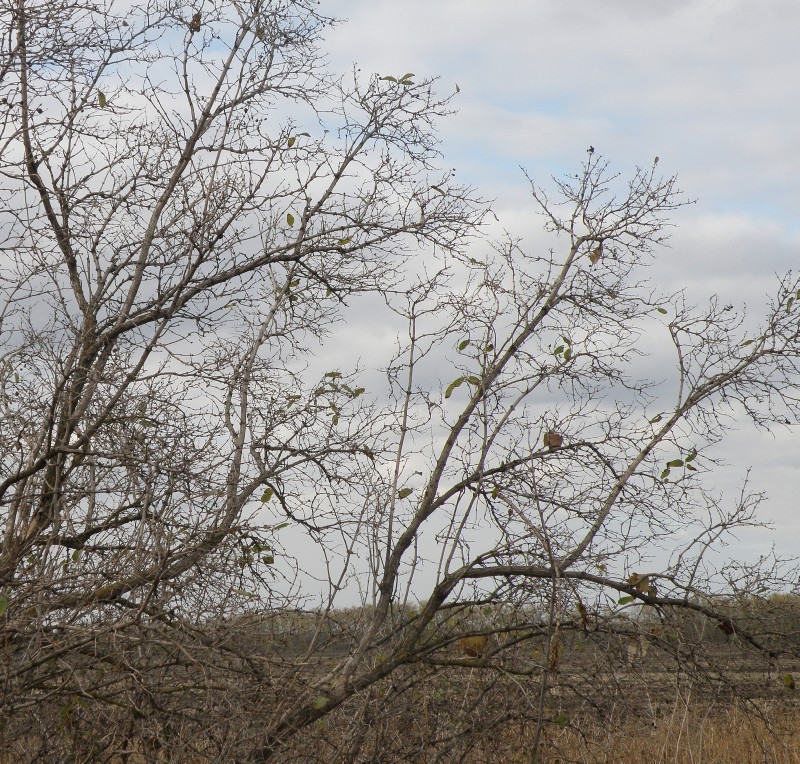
x=194, y=24
x=473, y=646
x=584, y=614
x=596, y=254
x=555, y=655
x=725, y=627
x=552, y=439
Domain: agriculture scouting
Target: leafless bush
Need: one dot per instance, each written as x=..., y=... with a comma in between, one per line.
x=190, y=204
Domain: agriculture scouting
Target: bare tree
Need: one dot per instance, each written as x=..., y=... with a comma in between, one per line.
x=191, y=203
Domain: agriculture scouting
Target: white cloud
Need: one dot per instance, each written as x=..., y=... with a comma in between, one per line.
x=710, y=86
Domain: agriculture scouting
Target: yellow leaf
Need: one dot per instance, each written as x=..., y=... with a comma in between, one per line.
x=639, y=582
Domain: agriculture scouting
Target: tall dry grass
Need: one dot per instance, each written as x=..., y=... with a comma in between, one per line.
x=689, y=734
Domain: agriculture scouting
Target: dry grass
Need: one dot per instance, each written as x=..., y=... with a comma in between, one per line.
x=597, y=710
x=688, y=735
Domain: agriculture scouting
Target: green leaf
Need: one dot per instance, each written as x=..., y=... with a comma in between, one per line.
x=101, y=99
x=463, y=344
x=788, y=681
x=3, y=605
x=473, y=380
x=333, y=374
x=291, y=141
x=335, y=420
x=665, y=474
x=657, y=418
x=691, y=468
x=559, y=350
x=406, y=76
x=746, y=343
x=692, y=456
x=16, y=377
x=260, y=33
x=495, y=491
x=320, y=702
x=76, y=555
x=305, y=135
x=404, y=493
x=358, y=391
x=243, y=593
x=437, y=188
x=625, y=600
x=342, y=242
x=789, y=304
x=601, y=567
x=389, y=79
x=452, y=386
x=267, y=495
x=675, y=463
x=488, y=348
x=663, y=311
x=561, y=720
x=567, y=354
x=290, y=219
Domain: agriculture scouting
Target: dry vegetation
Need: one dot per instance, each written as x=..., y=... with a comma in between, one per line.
x=691, y=734
x=194, y=477
x=687, y=731
x=607, y=698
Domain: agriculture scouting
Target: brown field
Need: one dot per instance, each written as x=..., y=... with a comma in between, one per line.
x=644, y=724
x=687, y=735
x=471, y=701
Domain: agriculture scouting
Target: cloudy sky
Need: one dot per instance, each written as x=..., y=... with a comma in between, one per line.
x=709, y=86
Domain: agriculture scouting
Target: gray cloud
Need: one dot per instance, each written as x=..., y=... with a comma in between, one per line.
x=710, y=86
